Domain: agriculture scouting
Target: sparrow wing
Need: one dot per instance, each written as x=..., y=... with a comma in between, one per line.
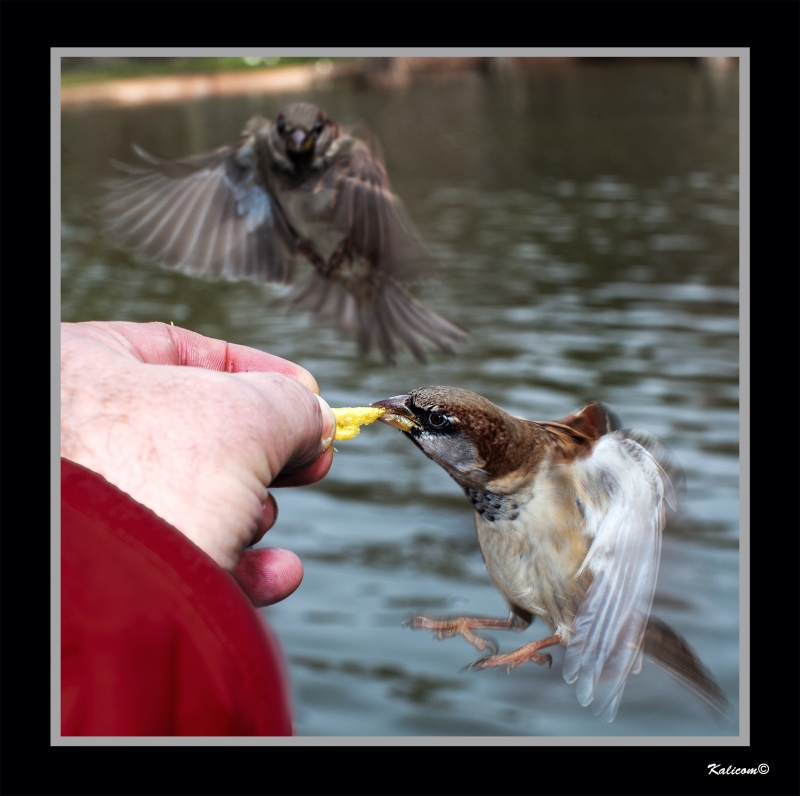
x=622, y=491
x=593, y=421
x=675, y=483
x=209, y=215
x=364, y=208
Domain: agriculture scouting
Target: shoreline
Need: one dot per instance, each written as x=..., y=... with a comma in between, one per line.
x=374, y=73
x=175, y=88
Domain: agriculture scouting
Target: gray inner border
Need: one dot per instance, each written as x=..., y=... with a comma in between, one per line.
x=743, y=54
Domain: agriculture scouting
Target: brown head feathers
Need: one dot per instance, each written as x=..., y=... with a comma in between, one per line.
x=505, y=443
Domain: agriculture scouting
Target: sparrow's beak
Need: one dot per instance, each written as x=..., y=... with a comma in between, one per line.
x=299, y=140
x=397, y=412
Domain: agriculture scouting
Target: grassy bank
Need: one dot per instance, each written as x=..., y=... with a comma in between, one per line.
x=79, y=71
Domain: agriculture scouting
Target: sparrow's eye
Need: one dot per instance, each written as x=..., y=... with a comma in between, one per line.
x=281, y=125
x=437, y=420
x=317, y=128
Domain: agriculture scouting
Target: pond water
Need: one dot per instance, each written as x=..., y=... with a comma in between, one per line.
x=584, y=225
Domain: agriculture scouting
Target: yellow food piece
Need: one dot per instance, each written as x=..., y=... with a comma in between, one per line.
x=350, y=418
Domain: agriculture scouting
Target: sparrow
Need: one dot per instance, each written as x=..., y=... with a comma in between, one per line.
x=301, y=186
x=569, y=516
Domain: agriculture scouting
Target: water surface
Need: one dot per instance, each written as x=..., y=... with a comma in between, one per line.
x=583, y=224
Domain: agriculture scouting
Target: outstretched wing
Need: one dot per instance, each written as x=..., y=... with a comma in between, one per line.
x=365, y=209
x=622, y=490
x=209, y=215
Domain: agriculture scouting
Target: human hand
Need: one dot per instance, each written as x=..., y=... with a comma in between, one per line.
x=196, y=429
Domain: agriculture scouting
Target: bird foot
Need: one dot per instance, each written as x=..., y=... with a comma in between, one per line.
x=530, y=652
x=509, y=661
x=447, y=628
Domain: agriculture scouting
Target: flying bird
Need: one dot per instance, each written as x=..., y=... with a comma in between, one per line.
x=299, y=186
x=569, y=516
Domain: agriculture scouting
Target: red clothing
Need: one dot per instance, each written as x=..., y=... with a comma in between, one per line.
x=156, y=639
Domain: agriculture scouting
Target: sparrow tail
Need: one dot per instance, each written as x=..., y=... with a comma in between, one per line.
x=379, y=312
x=666, y=648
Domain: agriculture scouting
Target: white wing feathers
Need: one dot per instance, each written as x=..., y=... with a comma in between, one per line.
x=622, y=490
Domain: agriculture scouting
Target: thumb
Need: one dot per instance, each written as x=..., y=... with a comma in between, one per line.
x=295, y=426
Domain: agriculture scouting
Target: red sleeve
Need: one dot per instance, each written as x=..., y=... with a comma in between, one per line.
x=156, y=638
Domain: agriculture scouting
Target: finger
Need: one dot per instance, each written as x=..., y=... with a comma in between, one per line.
x=308, y=475
x=163, y=344
x=157, y=343
x=293, y=425
x=269, y=515
x=269, y=574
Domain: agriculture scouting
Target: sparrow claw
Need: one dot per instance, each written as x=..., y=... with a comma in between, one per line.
x=488, y=662
x=512, y=659
x=479, y=664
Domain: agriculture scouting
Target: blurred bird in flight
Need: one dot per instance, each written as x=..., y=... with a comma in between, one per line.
x=301, y=186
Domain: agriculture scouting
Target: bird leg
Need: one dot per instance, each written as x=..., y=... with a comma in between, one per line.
x=464, y=625
x=340, y=253
x=307, y=250
x=530, y=652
